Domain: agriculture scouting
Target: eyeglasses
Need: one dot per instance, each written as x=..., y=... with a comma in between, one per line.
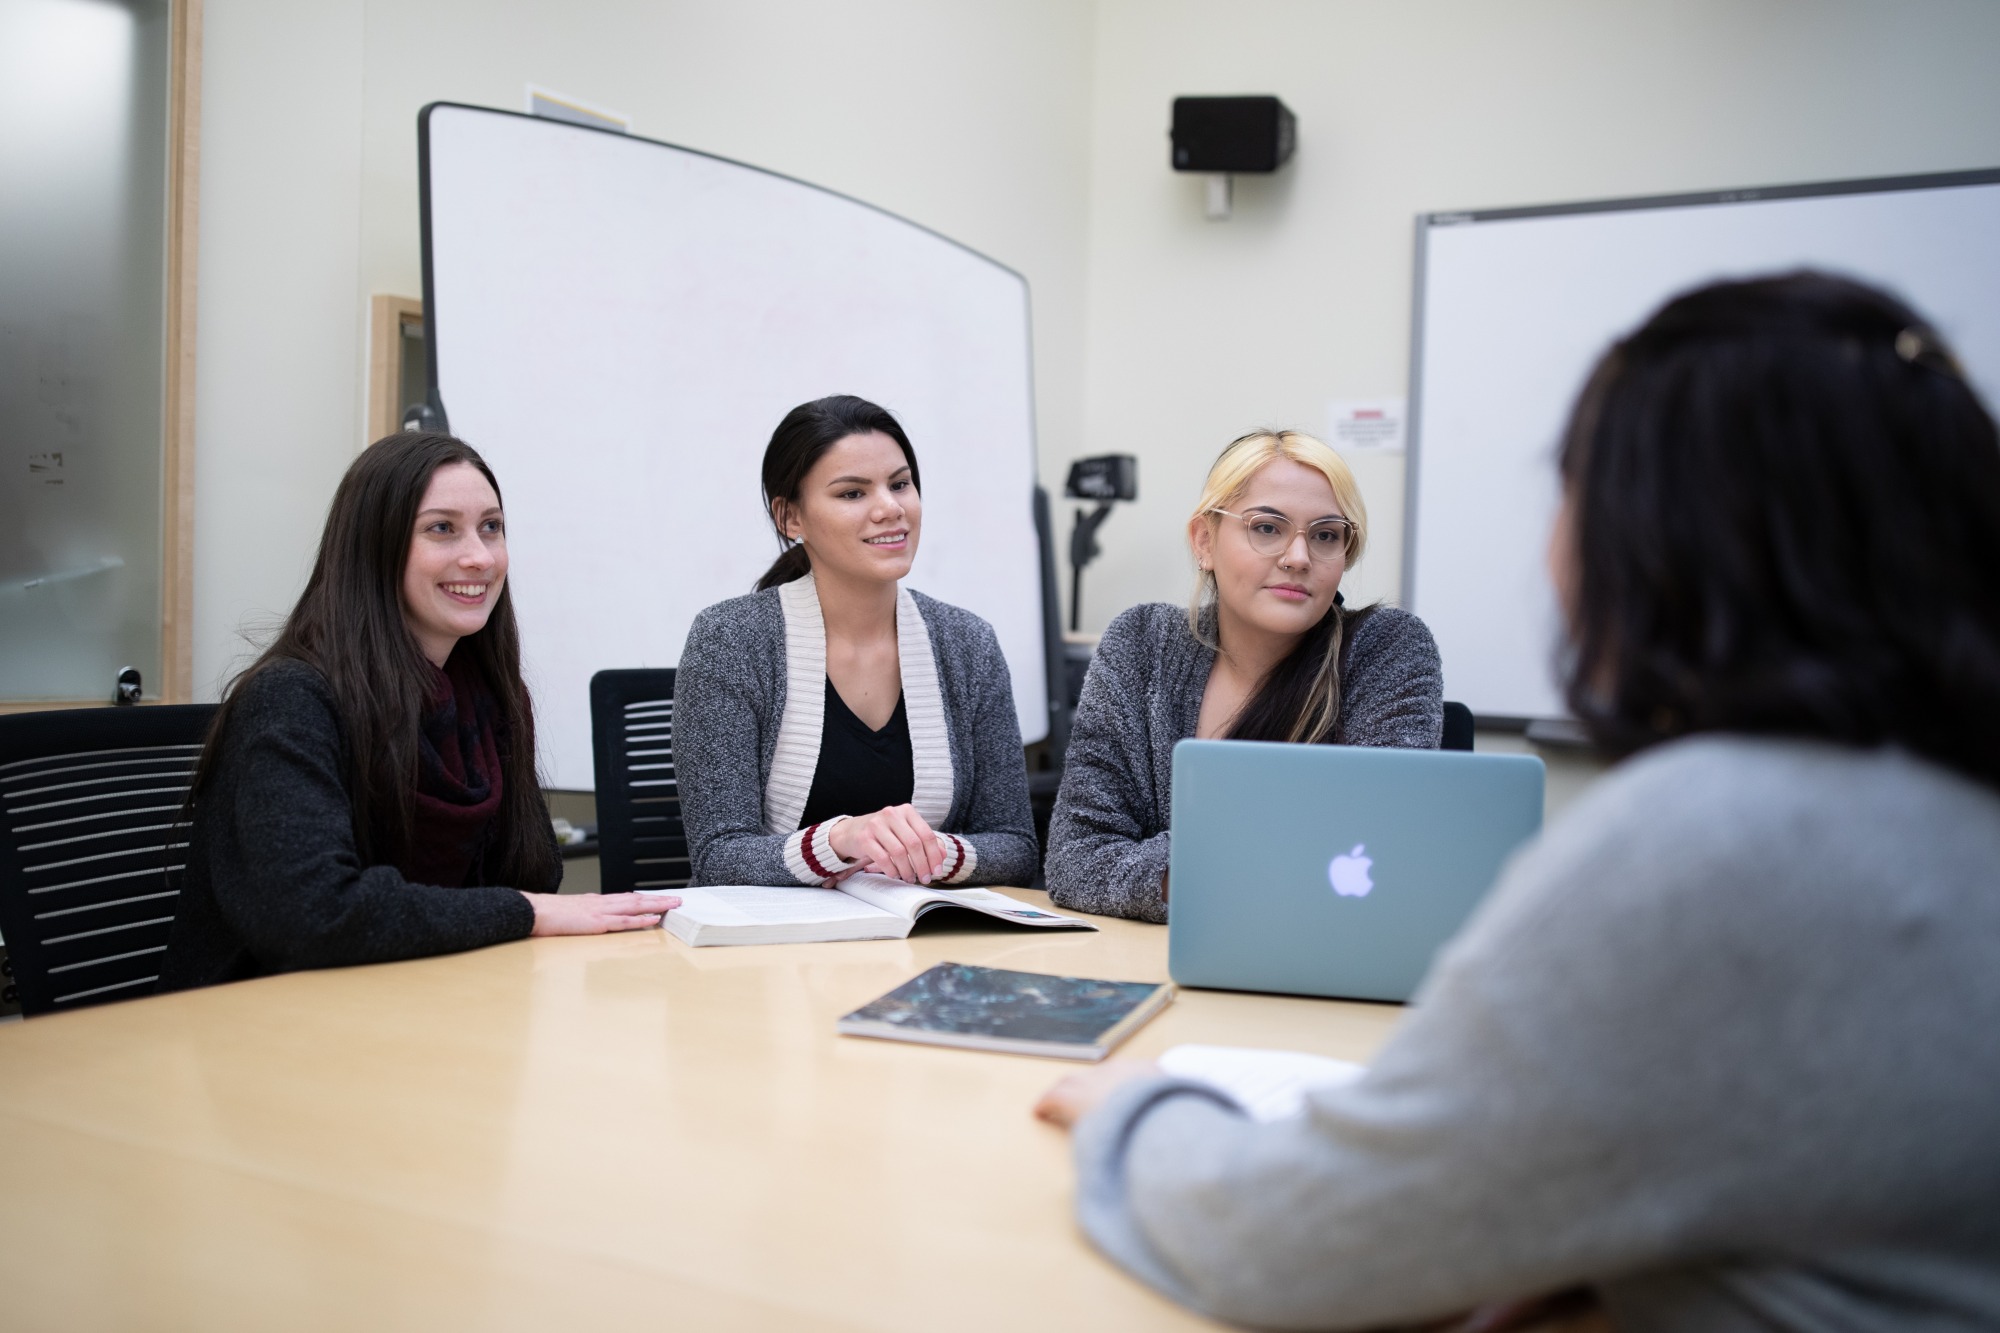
x=1327, y=539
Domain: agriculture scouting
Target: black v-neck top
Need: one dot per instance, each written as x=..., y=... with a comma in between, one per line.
x=860, y=771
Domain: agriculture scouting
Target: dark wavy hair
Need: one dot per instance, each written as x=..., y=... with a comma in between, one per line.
x=348, y=625
x=801, y=440
x=1785, y=504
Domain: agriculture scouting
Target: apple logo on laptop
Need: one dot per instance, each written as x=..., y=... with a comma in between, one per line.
x=1348, y=873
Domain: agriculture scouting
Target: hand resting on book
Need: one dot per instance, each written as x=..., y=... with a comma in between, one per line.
x=597, y=913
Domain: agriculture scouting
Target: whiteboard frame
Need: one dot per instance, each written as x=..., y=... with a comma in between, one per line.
x=1426, y=222
x=1056, y=736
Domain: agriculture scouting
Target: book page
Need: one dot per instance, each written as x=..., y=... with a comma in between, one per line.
x=1270, y=1085
x=888, y=894
x=1000, y=905
x=755, y=905
x=908, y=900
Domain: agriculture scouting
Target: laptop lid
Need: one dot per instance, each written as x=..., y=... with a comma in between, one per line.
x=1334, y=870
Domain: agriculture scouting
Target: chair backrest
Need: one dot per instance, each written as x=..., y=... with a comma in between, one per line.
x=1457, y=727
x=91, y=848
x=641, y=843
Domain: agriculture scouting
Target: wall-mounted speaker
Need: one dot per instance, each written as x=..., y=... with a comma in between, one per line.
x=1232, y=135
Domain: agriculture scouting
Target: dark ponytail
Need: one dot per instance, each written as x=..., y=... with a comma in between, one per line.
x=792, y=563
x=800, y=441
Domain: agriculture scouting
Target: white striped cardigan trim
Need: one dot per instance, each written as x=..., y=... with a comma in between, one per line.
x=808, y=851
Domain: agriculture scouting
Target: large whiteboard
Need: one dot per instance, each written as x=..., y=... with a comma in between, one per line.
x=1513, y=307
x=619, y=324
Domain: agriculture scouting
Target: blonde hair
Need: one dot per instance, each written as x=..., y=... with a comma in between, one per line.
x=1246, y=456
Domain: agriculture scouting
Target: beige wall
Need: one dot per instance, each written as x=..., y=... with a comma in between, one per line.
x=278, y=359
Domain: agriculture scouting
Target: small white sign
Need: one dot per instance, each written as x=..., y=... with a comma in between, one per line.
x=1371, y=426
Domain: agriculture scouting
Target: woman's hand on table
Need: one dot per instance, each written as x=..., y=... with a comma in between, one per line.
x=598, y=913
x=1078, y=1094
x=893, y=841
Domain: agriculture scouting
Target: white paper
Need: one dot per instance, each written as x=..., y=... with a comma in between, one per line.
x=1270, y=1085
x=1366, y=426
x=889, y=894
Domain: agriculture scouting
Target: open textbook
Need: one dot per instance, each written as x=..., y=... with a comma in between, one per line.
x=863, y=907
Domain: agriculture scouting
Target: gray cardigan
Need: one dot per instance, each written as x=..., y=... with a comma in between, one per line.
x=748, y=698
x=1721, y=1043
x=1108, y=837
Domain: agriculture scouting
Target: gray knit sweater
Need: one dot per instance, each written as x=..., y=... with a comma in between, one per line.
x=1108, y=837
x=748, y=702
x=1721, y=1043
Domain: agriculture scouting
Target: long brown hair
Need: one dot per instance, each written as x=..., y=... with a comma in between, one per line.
x=348, y=625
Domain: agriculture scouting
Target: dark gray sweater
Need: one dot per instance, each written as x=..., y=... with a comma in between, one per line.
x=1721, y=1043
x=273, y=882
x=1108, y=839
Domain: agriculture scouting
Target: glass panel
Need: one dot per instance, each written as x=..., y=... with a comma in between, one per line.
x=83, y=151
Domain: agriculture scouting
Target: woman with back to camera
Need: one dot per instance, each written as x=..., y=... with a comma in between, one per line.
x=1268, y=651
x=1720, y=1044
x=367, y=791
x=833, y=720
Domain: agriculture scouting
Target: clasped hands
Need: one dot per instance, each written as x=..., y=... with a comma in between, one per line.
x=893, y=841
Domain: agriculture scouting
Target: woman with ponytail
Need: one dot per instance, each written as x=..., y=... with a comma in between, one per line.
x=833, y=720
x=1266, y=652
x=367, y=791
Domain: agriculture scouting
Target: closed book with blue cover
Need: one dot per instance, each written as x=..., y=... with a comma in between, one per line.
x=1020, y=1013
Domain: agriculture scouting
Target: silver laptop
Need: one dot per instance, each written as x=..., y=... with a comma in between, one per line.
x=1331, y=869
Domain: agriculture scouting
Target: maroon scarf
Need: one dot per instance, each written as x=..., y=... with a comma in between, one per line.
x=458, y=779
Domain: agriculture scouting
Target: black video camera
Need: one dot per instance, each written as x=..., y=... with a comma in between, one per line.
x=1105, y=477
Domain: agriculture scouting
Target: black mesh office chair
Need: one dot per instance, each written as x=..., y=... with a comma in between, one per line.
x=1457, y=727
x=641, y=844
x=91, y=850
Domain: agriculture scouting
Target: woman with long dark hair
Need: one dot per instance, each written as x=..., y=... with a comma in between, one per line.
x=368, y=791
x=1720, y=1046
x=1267, y=651
x=834, y=720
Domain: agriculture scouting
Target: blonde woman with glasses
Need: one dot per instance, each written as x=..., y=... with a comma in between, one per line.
x=1266, y=651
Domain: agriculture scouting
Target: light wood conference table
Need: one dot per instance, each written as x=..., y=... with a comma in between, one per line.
x=608, y=1132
